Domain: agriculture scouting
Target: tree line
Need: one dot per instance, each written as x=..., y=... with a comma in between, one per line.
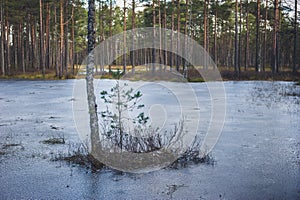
x=51, y=35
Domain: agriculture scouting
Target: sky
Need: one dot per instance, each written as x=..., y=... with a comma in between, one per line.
x=289, y=3
x=120, y=3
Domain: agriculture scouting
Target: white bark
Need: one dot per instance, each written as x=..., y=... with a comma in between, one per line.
x=90, y=80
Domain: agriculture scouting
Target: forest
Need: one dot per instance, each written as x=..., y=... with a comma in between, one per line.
x=49, y=37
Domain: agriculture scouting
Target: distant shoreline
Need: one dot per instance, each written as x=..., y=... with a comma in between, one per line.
x=193, y=76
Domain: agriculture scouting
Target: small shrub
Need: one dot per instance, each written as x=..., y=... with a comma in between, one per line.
x=142, y=138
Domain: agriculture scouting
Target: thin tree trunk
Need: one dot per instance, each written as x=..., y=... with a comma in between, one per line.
x=124, y=39
x=101, y=33
x=154, y=33
x=215, y=33
x=190, y=34
x=47, y=58
x=22, y=60
x=205, y=24
x=207, y=28
x=295, y=38
x=172, y=37
x=275, y=30
x=185, y=41
x=240, y=36
x=95, y=140
x=110, y=33
x=258, y=49
x=66, y=39
x=236, y=45
x=61, y=39
x=279, y=52
x=159, y=30
x=56, y=51
x=42, y=53
x=35, y=61
x=265, y=38
x=178, y=31
x=164, y=35
x=247, y=37
x=15, y=49
x=73, y=42
x=7, y=35
x=132, y=53
x=27, y=45
x=2, y=41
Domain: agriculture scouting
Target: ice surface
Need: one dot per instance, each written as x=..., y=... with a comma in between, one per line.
x=257, y=155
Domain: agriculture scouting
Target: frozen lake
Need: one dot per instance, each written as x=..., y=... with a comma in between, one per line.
x=257, y=155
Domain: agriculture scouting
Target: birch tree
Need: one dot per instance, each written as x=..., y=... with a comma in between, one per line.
x=95, y=140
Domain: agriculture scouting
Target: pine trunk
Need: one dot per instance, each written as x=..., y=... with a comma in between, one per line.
x=72, y=51
x=66, y=39
x=172, y=38
x=2, y=40
x=215, y=32
x=258, y=49
x=265, y=38
x=47, y=57
x=110, y=33
x=42, y=53
x=178, y=31
x=295, y=37
x=164, y=35
x=154, y=33
x=124, y=39
x=56, y=51
x=275, y=30
x=159, y=32
x=236, y=39
x=247, y=37
x=61, y=64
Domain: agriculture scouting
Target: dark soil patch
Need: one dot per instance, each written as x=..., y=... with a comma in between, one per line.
x=5, y=146
x=192, y=157
x=54, y=141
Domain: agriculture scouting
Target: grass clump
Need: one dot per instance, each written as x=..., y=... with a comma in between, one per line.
x=78, y=155
x=192, y=156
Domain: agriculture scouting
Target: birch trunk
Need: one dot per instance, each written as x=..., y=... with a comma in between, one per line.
x=90, y=78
